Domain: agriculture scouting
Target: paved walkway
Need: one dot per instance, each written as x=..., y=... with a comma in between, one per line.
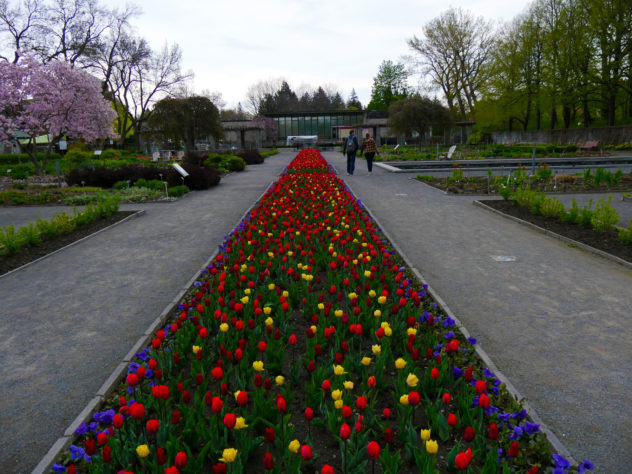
x=67, y=322
x=555, y=320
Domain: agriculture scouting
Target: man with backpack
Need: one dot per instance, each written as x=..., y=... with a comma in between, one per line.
x=350, y=148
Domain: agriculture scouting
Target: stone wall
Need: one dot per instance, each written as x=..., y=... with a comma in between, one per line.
x=577, y=136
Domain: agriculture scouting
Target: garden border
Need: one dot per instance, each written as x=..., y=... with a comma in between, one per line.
x=575, y=243
x=114, y=380
x=551, y=437
x=125, y=219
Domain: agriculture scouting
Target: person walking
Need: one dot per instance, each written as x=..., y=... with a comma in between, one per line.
x=350, y=148
x=369, y=149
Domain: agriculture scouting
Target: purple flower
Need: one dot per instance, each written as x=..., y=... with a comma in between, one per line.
x=81, y=429
x=531, y=428
x=449, y=335
x=76, y=452
x=472, y=340
x=456, y=372
x=488, y=374
x=92, y=427
x=516, y=434
x=59, y=468
x=561, y=462
x=586, y=465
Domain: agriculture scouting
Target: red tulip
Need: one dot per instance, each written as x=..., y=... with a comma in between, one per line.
x=242, y=398
x=153, y=426
x=434, y=373
x=480, y=387
x=327, y=469
x=90, y=446
x=270, y=436
x=463, y=460
x=229, y=420
x=388, y=435
x=513, y=450
x=217, y=373
x=117, y=421
x=161, y=456
x=181, y=459
x=292, y=340
x=107, y=454
x=414, y=398
x=309, y=414
x=137, y=410
x=281, y=405
x=102, y=439
x=263, y=346
x=447, y=398
x=216, y=404
x=483, y=401
x=374, y=450
x=452, y=419
x=268, y=461
x=361, y=403
x=386, y=413
x=493, y=431
x=345, y=431
x=175, y=417
x=469, y=434
x=132, y=380
x=306, y=452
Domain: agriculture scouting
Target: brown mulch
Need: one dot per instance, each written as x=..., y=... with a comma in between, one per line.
x=606, y=241
x=28, y=254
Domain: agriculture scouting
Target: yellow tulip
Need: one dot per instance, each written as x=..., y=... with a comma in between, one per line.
x=412, y=380
x=377, y=313
x=223, y=327
x=412, y=331
x=367, y=273
x=338, y=404
x=258, y=365
x=400, y=363
x=271, y=286
x=240, y=423
x=381, y=299
x=339, y=370
x=372, y=293
x=321, y=306
x=196, y=349
x=336, y=394
x=280, y=380
x=267, y=310
x=142, y=451
x=404, y=400
x=348, y=384
x=294, y=446
x=377, y=349
x=366, y=361
x=388, y=332
x=245, y=300
x=425, y=435
x=269, y=321
x=431, y=447
x=229, y=455
x=338, y=313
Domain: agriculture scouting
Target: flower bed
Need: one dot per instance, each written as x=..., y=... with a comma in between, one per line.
x=305, y=346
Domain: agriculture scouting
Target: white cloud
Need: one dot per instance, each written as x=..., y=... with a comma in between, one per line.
x=232, y=44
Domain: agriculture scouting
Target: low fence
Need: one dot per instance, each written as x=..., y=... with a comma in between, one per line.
x=577, y=136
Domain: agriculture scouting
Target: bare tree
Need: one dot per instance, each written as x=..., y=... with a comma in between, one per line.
x=19, y=27
x=257, y=92
x=454, y=53
x=138, y=78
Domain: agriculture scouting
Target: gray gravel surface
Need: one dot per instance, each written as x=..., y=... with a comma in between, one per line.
x=555, y=319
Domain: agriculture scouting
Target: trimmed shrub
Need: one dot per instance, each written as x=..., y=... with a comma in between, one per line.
x=178, y=191
x=200, y=177
x=76, y=156
x=120, y=185
x=156, y=185
x=251, y=157
x=235, y=163
x=110, y=153
x=552, y=207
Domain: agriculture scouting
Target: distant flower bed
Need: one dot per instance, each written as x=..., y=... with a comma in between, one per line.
x=305, y=346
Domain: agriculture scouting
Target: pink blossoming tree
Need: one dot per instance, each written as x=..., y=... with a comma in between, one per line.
x=50, y=99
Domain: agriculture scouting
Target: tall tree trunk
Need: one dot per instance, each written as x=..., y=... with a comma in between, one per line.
x=553, y=117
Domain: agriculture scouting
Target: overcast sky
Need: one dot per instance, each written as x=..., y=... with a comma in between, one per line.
x=231, y=44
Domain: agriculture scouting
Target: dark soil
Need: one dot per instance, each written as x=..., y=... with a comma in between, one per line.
x=606, y=241
x=28, y=254
x=564, y=184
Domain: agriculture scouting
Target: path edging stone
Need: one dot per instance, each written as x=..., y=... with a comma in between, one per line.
x=113, y=381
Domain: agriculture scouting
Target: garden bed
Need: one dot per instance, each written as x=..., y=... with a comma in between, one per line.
x=608, y=242
x=482, y=185
x=29, y=254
